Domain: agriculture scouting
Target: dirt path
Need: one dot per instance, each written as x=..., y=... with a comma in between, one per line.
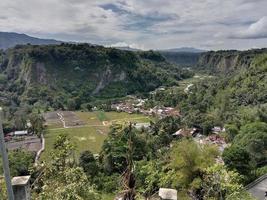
x=38, y=155
x=61, y=118
x=101, y=132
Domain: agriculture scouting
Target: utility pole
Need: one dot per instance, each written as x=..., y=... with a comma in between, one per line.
x=5, y=160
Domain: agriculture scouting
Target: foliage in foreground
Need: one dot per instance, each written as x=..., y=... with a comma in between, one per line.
x=61, y=179
x=20, y=162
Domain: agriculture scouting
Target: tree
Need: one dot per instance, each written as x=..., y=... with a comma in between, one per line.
x=88, y=163
x=61, y=179
x=20, y=120
x=63, y=150
x=128, y=176
x=114, y=151
x=72, y=104
x=238, y=158
x=3, y=190
x=148, y=175
x=20, y=162
x=68, y=184
x=231, y=131
x=219, y=183
x=248, y=150
x=188, y=163
x=37, y=123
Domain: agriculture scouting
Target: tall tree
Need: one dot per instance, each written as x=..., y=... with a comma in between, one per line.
x=37, y=123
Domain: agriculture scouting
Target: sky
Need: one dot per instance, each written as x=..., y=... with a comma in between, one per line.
x=144, y=24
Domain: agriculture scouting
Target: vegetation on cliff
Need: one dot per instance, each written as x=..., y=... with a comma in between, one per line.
x=71, y=76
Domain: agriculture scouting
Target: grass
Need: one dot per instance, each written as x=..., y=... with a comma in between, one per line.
x=84, y=138
x=101, y=116
x=97, y=117
x=92, y=135
x=107, y=196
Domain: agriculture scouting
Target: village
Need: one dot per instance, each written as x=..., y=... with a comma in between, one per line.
x=137, y=105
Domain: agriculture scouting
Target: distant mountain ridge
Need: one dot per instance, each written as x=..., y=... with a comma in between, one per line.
x=127, y=48
x=183, y=50
x=184, y=56
x=11, y=39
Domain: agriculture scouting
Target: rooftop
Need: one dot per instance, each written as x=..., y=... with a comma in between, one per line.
x=258, y=187
x=21, y=180
x=166, y=193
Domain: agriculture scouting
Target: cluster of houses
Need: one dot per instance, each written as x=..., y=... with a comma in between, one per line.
x=215, y=138
x=137, y=106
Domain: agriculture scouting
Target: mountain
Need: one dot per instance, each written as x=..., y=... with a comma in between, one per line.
x=67, y=76
x=184, y=49
x=9, y=39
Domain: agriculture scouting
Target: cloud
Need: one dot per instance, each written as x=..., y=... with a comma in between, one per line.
x=143, y=23
x=125, y=44
x=257, y=30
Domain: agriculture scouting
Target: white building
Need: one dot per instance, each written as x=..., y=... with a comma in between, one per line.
x=20, y=133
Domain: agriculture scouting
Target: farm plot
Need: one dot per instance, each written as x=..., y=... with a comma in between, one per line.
x=29, y=143
x=87, y=130
x=84, y=138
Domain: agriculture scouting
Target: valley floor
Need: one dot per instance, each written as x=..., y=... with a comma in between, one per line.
x=87, y=130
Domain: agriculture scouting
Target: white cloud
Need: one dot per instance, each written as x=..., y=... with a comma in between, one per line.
x=141, y=23
x=256, y=30
x=125, y=44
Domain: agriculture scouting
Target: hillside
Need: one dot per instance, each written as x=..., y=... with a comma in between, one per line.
x=238, y=84
x=227, y=61
x=8, y=40
x=69, y=75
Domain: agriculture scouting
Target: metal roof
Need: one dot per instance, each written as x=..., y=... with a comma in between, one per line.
x=258, y=188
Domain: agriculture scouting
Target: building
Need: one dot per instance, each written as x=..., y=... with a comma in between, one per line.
x=141, y=125
x=20, y=133
x=217, y=129
x=186, y=133
x=21, y=187
x=167, y=194
x=258, y=188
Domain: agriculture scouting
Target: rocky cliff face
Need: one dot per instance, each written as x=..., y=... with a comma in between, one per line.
x=227, y=61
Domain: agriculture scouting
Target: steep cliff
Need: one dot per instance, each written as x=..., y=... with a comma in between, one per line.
x=227, y=61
